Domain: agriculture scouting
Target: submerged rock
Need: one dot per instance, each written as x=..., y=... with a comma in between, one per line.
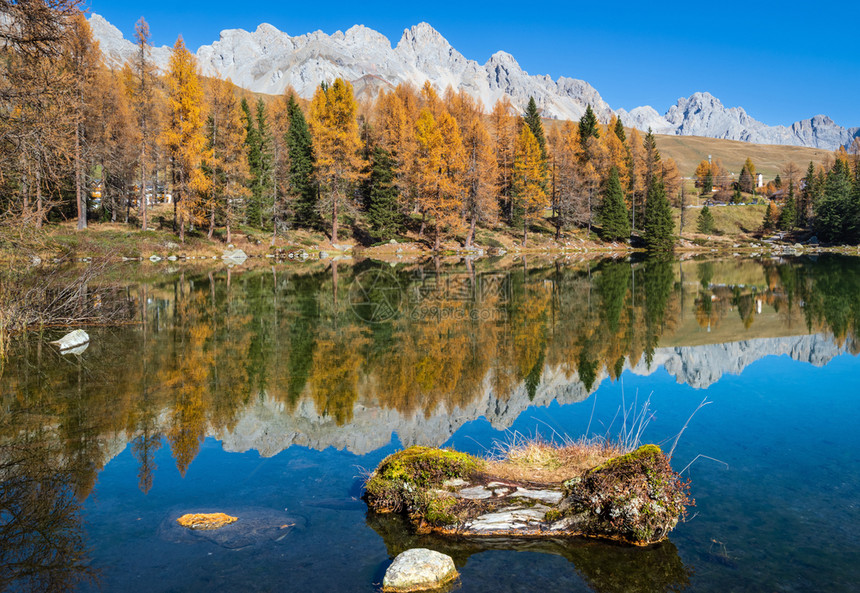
x=419, y=569
x=256, y=526
x=72, y=340
x=636, y=498
x=205, y=520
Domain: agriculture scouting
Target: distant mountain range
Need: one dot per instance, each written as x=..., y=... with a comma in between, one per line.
x=268, y=61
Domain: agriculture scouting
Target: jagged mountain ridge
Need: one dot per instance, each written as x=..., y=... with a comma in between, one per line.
x=268, y=60
x=702, y=114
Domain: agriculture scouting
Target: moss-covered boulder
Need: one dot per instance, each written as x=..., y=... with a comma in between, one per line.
x=413, y=481
x=636, y=498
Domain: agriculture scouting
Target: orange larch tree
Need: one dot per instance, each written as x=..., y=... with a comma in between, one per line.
x=334, y=127
x=184, y=135
x=529, y=179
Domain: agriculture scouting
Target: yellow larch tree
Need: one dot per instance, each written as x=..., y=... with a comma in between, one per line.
x=528, y=179
x=505, y=127
x=617, y=152
x=481, y=169
x=227, y=163
x=396, y=113
x=184, y=135
x=440, y=162
x=334, y=127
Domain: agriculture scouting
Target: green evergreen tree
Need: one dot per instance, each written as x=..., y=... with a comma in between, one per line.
x=259, y=143
x=659, y=227
x=777, y=182
x=383, y=213
x=588, y=127
x=252, y=144
x=788, y=216
x=705, y=221
x=737, y=198
x=806, y=198
x=263, y=177
x=619, y=131
x=300, y=150
x=652, y=157
x=770, y=218
x=836, y=213
x=532, y=118
x=615, y=225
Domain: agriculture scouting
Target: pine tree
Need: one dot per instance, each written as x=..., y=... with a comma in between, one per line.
x=788, y=216
x=652, y=158
x=619, y=130
x=746, y=181
x=588, y=127
x=532, y=119
x=659, y=227
x=260, y=160
x=835, y=213
x=705, y=221
x=615, y=225
x=300, y=149
x=383, y=212
x=771, y=217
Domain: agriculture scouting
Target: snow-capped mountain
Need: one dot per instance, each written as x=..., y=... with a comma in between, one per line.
x=268, y=61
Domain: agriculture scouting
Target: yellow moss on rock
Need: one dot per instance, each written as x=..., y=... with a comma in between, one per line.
x=205, y=520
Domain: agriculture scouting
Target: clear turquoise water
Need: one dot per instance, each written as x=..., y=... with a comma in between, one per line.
x=777, y=512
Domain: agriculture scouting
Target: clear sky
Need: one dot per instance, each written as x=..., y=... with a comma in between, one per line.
x=781, y=61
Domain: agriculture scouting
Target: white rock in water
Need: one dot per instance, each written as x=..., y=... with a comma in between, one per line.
x=236, y=255
x=71, y=340
x=419, y=569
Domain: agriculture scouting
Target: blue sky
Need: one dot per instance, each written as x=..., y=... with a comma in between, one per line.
x=781, y=61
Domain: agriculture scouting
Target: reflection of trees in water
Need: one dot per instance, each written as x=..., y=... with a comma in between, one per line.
x=606, y=567
x=210, y=344
x=43, y=546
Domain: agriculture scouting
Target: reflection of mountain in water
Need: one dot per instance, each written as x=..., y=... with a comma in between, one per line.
x=268, y=427
x=702, y=366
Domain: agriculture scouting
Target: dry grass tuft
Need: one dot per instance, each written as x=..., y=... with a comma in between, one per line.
x=535, y=459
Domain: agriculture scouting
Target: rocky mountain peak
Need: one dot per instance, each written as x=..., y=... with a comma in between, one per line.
x=268, y=60
x=422, y=35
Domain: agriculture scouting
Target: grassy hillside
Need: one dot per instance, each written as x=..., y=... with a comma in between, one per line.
x=689, y=151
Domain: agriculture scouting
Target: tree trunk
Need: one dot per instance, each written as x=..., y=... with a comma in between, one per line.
x=471, y=236
x=525, y=231
x=39, y=214
x=334, y=220
x=229, y=237
x=143, y=211
x=423, y=224
x=436, y=241
x=211, y=222
x=82, y=207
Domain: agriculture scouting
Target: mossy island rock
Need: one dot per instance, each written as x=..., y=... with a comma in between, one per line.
x=635, y=498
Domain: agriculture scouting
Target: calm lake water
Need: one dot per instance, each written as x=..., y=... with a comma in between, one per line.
x=268, y=392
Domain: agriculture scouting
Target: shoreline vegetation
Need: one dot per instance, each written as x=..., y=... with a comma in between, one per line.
x=198, y=164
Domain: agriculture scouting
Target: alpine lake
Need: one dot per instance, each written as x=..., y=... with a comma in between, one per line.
x=270, y=390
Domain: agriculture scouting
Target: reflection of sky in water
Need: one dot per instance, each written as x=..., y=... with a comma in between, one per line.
x=781, y=517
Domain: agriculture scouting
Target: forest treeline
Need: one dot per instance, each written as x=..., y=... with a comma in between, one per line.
x=82, y=140
x=441, y=164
